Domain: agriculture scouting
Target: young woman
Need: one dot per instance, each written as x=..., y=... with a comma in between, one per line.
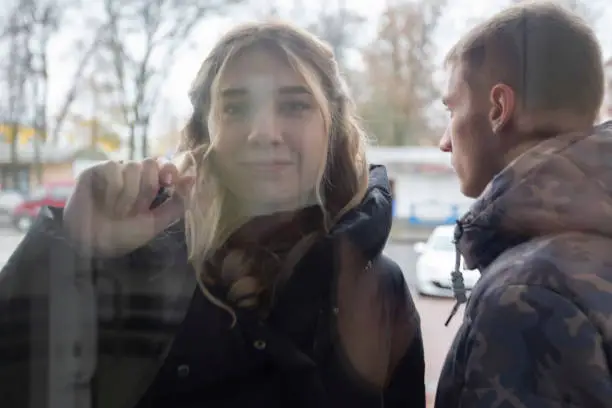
x=255, y=279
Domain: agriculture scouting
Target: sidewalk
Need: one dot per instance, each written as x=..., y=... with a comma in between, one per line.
x=401, y=232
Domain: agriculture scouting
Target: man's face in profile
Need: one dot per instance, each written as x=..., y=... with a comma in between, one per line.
x=469, y=136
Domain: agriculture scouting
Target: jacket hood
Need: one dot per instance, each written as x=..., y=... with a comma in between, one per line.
x=563, y=184
x=368, y=225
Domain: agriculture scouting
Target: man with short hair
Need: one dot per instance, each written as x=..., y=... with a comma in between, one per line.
x=524, y=91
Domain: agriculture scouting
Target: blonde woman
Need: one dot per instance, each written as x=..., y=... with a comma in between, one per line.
x=255, y=279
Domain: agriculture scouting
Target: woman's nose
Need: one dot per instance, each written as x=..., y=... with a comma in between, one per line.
x=265, y=128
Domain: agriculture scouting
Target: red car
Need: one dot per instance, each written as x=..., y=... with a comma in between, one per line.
x=50, y=194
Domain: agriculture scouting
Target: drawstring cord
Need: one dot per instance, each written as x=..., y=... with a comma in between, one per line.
x=458, y=284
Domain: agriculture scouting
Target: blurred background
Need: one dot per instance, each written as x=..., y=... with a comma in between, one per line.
x=87, y=80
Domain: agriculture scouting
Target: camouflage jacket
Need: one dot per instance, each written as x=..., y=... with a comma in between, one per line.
x=537, y=330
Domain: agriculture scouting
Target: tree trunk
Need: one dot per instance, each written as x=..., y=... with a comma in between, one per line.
x=14, y=166
x=144, y=128
x=132, y=142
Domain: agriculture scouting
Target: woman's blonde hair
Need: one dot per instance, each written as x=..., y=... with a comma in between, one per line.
x=213, y=216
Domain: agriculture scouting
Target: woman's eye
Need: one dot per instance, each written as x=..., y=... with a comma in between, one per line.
x=236, y=109
x=294, y=107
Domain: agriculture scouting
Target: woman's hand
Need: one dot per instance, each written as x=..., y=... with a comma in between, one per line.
x=109, y=212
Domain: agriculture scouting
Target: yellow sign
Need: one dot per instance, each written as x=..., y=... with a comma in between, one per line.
x=24, y=133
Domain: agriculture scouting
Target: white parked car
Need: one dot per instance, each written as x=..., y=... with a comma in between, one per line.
x=9, y=200
x=436, y=261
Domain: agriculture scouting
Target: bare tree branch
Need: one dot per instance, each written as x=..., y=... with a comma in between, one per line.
x=163, y=27
x=17, y=74
x=78, y=75
x=399, y=64
x=337, y=25
x=38, y=21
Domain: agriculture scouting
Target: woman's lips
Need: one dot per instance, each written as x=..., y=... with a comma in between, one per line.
x=268, y=167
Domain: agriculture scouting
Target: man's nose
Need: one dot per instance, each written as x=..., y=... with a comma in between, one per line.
x=265, y=127
x=445, y=142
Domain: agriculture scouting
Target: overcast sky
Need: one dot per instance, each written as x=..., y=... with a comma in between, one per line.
x=459, y=15
x=454, y=21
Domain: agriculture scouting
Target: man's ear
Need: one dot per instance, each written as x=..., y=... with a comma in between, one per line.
x=503, y=104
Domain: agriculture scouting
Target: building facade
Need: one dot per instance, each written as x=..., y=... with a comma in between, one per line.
x=425, y=186
x=57, y=164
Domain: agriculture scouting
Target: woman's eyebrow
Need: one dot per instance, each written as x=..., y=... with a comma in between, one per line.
x=293, y=90
x=234, y=92
x=283, y=90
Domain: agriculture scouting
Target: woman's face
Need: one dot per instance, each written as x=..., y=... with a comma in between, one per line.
x=270, y=135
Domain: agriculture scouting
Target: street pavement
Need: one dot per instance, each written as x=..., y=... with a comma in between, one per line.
x=437, y=338
x=433, y=312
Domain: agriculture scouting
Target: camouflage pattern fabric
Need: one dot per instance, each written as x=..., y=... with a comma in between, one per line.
x=537, y=331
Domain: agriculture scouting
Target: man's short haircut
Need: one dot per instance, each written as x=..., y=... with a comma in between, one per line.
x=548, y=55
